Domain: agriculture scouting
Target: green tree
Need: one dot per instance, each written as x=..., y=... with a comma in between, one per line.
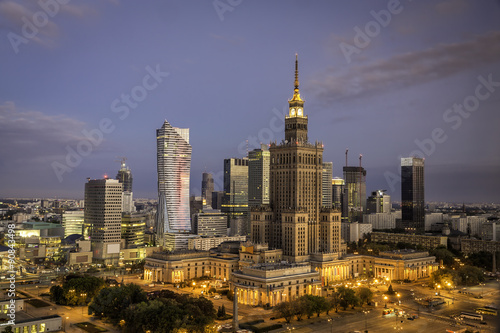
x=334, y=301
x=390, y=291
x=57, y=294
x=111, y=303
x=470, y=275
x=365, y=295
x=347, y=297
x=442, y=253
x=284, y=310
x=221, y=312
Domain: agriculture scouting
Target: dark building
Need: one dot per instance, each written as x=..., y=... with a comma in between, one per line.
x=412, y=194
x=354, y=193
x=124, y=176
x=258, y=176
x=338, y=185
x=217, y=197
x=207, y=187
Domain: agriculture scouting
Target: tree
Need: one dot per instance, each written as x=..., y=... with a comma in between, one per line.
x=284, y=310
x=221, y=312
x=334, y=301
x=111, y=303
x=347, y=297
x=390, y=291
x=230, y=295
x=365, y=295
x=441, y=253
x=8, y=329
x=470, y=275
x=57, y=294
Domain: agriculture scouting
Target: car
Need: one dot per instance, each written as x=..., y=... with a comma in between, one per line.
x=217, y=297
x=410, y=318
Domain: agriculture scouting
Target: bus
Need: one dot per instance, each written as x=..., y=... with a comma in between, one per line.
x=473, y=316
x=487, y=311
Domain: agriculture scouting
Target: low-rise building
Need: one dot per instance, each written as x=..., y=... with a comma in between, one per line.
x=468, y=246
x=428, y=242
x=207, y=243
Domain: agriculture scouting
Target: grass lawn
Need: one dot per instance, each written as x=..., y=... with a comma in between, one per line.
x=37, y=303
x=91, y=328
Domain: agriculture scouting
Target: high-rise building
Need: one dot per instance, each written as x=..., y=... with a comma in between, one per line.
x=72, y=222
x=378, y=202
x=412, y=194
x=338, y=185
x=207, y=188
x=124, y=176
x=354, y=193
x=326, y=188
x=294, y=220
x=235, y=201
x=103, y=214
x=258, y=176
x=174, y=165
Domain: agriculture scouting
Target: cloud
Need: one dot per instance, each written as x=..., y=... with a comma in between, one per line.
x=15, y=14
x=407, y=69
x=33, y=138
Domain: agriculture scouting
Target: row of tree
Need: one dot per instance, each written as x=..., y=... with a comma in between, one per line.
x=76, y=290
x=129, y=307
x=308, y=305
x=465, y=275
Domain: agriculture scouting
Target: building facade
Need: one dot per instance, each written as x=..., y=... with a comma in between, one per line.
x=235, y=201
x=326, y=189
x=73, y=222
x=428, y=242
x=258, y=176
x=378, y=202
x=412, y=194
x=354, y=193
x=210, y=223
x=173, y=165
x=207, y=188
x=103, y=214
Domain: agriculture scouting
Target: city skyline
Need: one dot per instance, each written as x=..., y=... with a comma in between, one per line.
x=386, y=99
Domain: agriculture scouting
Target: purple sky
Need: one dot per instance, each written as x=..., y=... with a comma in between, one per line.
x=65, y=70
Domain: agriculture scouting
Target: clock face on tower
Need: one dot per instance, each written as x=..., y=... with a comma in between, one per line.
x=292, y=112
x=299, y=112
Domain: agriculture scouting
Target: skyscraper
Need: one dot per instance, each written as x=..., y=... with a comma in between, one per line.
x=354, y=193
x=103, y=214
x=326, y=188
x=207, y=187
x=235, y=201
x=412, y=194
x=258, y=176
x=338, y=185
x=124, y=176
x=173, y=165
x=294, y=220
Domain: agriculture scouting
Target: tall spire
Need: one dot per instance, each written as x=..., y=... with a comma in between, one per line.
x=296, y=94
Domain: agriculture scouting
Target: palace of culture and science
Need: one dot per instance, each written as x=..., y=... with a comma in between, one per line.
x=295, y=246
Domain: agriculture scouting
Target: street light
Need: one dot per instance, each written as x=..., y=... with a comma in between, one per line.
x=398, y=295
x=366, y=324
x=331, y=322
x=385, y=299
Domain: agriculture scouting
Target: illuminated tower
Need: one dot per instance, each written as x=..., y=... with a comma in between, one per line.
x=292, y=219
x=173, y=164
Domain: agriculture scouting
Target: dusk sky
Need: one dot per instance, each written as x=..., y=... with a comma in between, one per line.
x=385, y=79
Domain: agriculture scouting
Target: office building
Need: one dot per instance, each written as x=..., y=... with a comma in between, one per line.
x=412, y=194
x=103, y=214
x=124, y=176
x=210, y=223
x=338, y=185
x=207, y=188
x=133, y=229
x=73, y=222
x=354, y=193
x=173, y=165
x=258, y=176
x=378, y=202
x=326, y=188
x=235, y=201
x=217, y=197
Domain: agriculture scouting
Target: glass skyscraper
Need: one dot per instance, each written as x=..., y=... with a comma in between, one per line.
x=412, y=194
x=174, y=165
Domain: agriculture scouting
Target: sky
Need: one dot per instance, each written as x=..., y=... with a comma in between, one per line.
x=84, y=83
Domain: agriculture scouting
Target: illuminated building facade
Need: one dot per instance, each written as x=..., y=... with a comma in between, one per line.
x=207, y=188
x=354, y=193
x=326, y=188
x=173, y=165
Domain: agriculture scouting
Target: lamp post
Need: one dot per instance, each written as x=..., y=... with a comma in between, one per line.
x=385, y=299
x=366, y=312
x=331, y=322
x=399, y=301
